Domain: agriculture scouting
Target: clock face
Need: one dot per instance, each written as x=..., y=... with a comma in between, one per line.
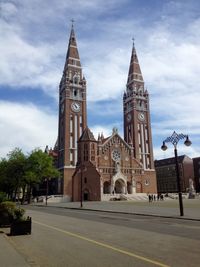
x=116, y=155
x=75, y=106
x=141, y=116
x=129, y=117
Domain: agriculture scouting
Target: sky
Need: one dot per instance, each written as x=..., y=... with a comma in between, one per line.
x=34, y=38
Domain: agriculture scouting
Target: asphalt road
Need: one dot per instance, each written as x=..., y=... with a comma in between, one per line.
x=78, y=238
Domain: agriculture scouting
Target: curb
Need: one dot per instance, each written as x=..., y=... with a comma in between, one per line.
x=122, y=212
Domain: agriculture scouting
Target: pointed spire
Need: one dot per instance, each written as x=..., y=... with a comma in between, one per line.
x=99, y=138
x=72, y=63
x=72, y=52
x=87, y=135
x=134, y=74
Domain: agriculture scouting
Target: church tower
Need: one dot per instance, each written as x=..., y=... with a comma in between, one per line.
x=72, y=113
x=137, y=125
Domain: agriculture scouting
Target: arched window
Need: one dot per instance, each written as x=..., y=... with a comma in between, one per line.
x=106, y=188
x=76, y=79
x=85, y=146
x=85, y=152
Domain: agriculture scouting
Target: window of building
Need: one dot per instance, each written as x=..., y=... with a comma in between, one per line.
x=92, y=146
x=85, y=146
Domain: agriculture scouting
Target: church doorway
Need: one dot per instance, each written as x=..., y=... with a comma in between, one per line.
x=106, y=188
x=120, y=187
x=85, y=195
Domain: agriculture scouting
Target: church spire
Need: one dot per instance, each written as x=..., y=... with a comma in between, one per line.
x=134, y=74
x=72, y=63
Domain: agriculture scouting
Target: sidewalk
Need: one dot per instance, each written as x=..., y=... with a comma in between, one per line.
x=9, y=256
x=166, y=208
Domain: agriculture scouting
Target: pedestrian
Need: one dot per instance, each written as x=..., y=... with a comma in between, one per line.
x=149, y=198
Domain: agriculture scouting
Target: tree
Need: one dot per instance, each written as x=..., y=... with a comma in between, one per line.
x=40, y=167
x=20, y=171
x=4, y=178
x=12, y=171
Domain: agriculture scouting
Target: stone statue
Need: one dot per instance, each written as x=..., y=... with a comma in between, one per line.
x=117, y=167
x=191, y=189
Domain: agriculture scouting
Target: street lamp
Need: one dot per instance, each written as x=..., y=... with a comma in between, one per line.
x=47, y=190
x=81, y=170
x=174, y=139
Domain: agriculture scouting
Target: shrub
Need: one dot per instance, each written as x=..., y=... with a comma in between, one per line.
x=9, y=213
x=8, y=206
x=3, y=197
x=7, y=209
x=19, y=214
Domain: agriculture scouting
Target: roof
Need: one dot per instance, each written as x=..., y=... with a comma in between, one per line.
x=169, y=161
x=134, y=73
x=87, y=135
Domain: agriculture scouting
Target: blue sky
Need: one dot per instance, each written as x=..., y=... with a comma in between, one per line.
x=34, y=38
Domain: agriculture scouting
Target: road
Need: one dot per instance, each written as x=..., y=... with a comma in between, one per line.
x=78, y=238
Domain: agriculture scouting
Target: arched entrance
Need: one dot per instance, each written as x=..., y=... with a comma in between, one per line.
x=106, y=188
x=85, y=195
x=120, y=187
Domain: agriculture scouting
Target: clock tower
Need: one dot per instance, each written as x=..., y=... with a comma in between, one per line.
x=137, y=125
x=72, y=113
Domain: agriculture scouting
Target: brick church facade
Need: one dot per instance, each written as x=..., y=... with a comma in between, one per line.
x=96, y=169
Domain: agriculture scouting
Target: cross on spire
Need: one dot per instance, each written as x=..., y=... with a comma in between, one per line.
x=133, y=39
x=72, y=20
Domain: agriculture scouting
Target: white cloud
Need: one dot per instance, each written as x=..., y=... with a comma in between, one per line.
x=7, y=9
x=23, y=64
x=25, y=126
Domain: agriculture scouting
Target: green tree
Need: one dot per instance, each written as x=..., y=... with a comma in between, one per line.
x=39, y=167
x=12, y=171
x=20, y=171
x=4, y=178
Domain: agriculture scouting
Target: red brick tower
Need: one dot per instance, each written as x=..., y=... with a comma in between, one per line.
x=72, y=113
x=137, y=125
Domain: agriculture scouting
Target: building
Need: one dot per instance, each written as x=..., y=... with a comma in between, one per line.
x=196, y=164
x=111, y=165
x=166, y=174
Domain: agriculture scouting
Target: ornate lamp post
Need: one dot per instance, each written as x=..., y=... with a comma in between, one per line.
x=174, y=139
x=81, y=170
x=47, y=190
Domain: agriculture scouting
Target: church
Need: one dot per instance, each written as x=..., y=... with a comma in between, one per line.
x=99, y=169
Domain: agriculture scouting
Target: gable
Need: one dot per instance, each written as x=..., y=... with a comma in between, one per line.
x=114, y=141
